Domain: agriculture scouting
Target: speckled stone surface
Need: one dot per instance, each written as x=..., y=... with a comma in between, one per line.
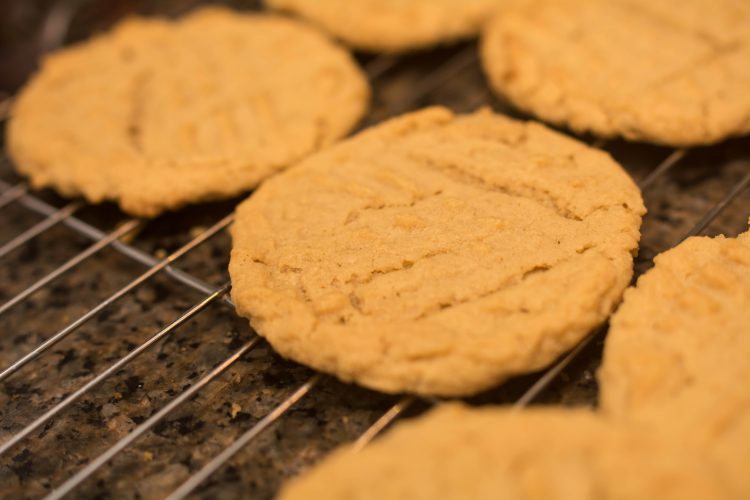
x=332, y=413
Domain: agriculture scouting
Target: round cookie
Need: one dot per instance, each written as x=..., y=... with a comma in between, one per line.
x=394, y=25
x=458, y=453
x=677, y=355
x=662, y=72
x=436, y=253
x=158, y=114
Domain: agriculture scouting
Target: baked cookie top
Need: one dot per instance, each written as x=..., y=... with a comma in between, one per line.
x=678, y=351
x=394, y=25
x=158, y=114
x=673, y=73
x=436, y=253
x=458, y=453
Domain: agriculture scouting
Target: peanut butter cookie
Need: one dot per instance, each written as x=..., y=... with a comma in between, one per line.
x=458, y=453
x=157, y=114
x=437, y=253
x=394, y=25
x=667, y=72
x=677, y=356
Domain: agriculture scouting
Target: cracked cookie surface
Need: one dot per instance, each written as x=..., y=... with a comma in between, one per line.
x=672, y=73
x=436, y=253
x=677, y=355
x=157, y=114
x=394, y=25
x=456, y=453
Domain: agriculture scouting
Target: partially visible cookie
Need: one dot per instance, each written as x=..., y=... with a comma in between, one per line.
x=678, y=351
x=157, y=114
x=458, y=453
x=394, y=25
x=673, y=73
x=436, y=253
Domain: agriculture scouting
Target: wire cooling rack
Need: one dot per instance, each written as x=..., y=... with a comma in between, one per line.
x=125, y=373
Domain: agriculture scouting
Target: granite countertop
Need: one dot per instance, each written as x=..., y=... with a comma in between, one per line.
x=333, y=413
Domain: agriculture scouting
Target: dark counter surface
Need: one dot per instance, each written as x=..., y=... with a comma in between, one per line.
x=333, y=412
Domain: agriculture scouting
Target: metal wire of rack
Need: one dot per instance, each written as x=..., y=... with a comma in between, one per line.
x=20, y=195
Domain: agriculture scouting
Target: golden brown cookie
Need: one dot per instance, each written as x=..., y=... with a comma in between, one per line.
x=666, y=72
x=678, y=352
x=437, y=253
x=158, y=114
x=394, y=25
x=458, y=453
